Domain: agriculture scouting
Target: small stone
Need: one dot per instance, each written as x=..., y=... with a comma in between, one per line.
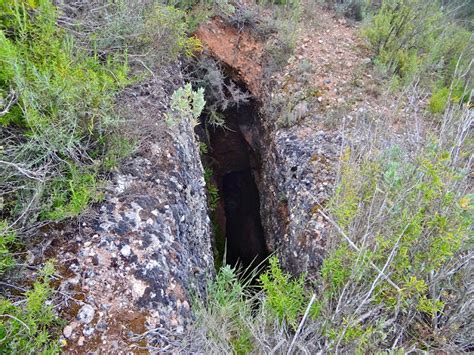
x=327, y=81
x=320, y=99
x=366, y=61
x=102, y=326
x=186, y=305
x=320, y=42
x=30, y=257
x=86, y=314
x=126, y=251
x=87, y=244
x=67, y=331
x=301, y=110
x=80, y=342
x=88, y=331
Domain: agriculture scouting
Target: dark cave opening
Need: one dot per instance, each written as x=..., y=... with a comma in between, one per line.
x=233, y=156
x=244, y=231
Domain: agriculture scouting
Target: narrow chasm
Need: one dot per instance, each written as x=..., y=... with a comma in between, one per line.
x=234, y=160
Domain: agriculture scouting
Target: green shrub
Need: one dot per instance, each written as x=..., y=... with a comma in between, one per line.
x=165, y=34
x=285, y=23
x=64, y=100
x=417, y=37
x=186, y=103
x=439, y=100
x=335, y=270
x=351, y=8
x=212, y=190
x=30, y=326
x=70, y=195
x=7, y=240
x=286, y=298
x=151, y=32
x=222, y=317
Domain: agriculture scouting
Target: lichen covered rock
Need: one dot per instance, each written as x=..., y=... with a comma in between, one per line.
x=298, y=177
x=133, y=263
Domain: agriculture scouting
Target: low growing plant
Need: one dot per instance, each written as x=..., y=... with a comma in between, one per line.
x=30, y=326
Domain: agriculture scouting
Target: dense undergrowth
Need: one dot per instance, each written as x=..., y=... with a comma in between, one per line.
x=397, y=272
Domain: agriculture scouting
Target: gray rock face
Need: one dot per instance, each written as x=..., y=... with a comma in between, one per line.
x=148, y=244
x=298, y=176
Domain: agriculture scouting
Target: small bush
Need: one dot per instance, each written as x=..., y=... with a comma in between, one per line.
x=212, y=190
x=439, y=100
x=7, y=240
x=417, y=37
x=222, y=317
x=282, y=27
x=186, y=104
x=150, y=32
x=165, y=34
x=30, y=326
x=220, y=91
x=350, y=8
x=63, y=105
x=286, y=298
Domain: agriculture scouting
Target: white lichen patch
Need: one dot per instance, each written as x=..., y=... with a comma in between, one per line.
x=138, y=288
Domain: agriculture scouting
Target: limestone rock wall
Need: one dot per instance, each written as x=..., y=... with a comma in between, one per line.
x=298, y=175
x=134, y=262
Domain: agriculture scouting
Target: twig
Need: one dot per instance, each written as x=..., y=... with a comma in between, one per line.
x=26, y=172
x=146, y=67
x=13, y=100
x=278, y=346
x=374, y=284
x=18, y=320
x=301, y=323
x=13, y=286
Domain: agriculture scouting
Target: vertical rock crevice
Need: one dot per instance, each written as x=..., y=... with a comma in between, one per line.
x=234, y=157
x=293, y=166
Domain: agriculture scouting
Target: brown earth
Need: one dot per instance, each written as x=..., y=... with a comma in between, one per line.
x=237, y=49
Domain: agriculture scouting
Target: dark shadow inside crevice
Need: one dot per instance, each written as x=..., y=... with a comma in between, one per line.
x=234, y=159
x=244, y=231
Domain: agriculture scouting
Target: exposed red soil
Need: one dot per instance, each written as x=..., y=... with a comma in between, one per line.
x=239, y=50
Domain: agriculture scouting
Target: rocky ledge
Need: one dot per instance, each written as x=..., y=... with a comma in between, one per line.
x=130, y=266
